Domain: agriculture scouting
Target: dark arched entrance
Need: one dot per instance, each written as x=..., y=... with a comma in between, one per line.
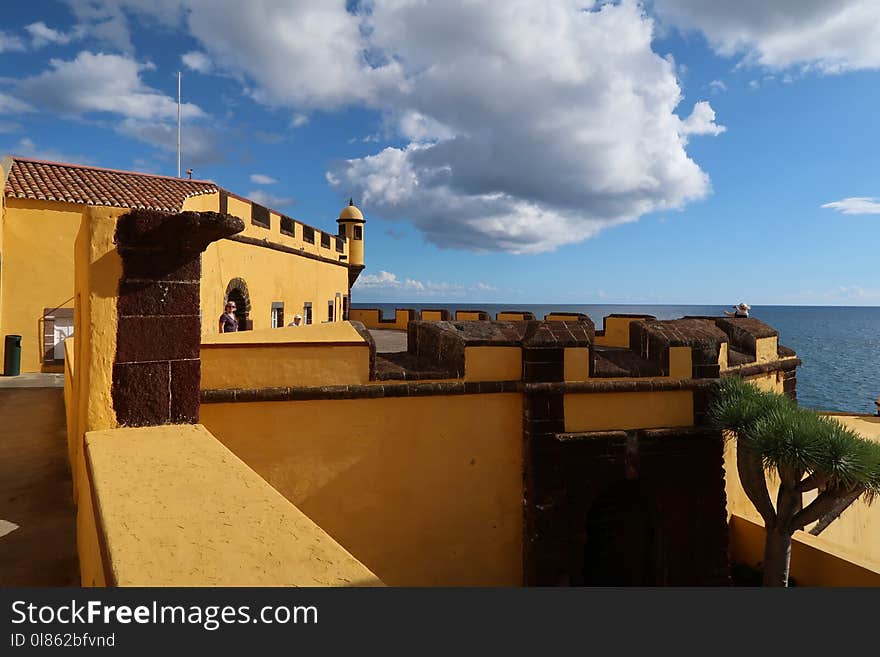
x=621, y=547
x=237, y=292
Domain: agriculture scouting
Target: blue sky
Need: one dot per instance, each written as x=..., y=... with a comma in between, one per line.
x=673, y=151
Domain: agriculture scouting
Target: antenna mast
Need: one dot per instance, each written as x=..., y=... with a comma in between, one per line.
x=178, y=124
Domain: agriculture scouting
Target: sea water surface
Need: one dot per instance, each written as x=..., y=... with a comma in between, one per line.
x=839, y=346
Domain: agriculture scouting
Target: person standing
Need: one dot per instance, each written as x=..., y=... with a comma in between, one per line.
x=228, y=320
x=740, y=310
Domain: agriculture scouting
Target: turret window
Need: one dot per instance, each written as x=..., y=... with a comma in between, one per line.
x=358, y=233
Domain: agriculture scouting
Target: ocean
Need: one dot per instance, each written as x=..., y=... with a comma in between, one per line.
x=839, y=346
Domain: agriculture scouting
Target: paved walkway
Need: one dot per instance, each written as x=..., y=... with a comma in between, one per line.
x=37, y=515
x=33, y=380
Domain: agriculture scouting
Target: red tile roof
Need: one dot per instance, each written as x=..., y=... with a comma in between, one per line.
x=74, y=183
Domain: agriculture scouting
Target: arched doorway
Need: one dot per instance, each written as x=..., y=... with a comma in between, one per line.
x=621, y=546
x=237, y=292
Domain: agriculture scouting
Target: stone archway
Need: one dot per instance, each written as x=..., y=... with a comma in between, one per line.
x=237, y=291
x=621, y=530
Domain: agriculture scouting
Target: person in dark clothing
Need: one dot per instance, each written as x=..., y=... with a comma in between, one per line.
x=228, y=321
x=740, y=310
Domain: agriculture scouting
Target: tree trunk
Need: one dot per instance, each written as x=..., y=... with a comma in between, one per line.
x=777, y=556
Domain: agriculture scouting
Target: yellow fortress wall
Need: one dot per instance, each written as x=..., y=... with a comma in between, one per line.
x=424, y=491
x=271, y=276
x=37, y=271
x=178, y=509
x=317, y=355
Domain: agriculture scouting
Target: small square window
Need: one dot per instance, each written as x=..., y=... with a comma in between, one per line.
x=288, y=226
x=358, y=232
x=259, y=215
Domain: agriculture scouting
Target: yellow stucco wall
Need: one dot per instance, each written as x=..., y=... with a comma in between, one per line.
x=616, y=332
x=316, y=355
x=492, y=363
x=680, y=363
x=464, y=316
x=37, y=271
x=628, y=410
x=768, y=382
x=176, y=508
x=766, y=349
x=432, y=316
x=270, y=276
x=855, y=535
x=813, y=561
x=576, y=363
x=370, y=317
x=242, y=209
x=355, y=247
x=202, y=203
x=422, y=490
x=509, y=317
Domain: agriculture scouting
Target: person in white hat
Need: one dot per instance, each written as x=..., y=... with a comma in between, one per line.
x=741, y=310
x=297, y=320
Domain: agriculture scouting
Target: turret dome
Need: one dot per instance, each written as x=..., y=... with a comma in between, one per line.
x=351, y=212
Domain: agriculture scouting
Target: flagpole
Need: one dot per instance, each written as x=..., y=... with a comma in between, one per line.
x=178, y=124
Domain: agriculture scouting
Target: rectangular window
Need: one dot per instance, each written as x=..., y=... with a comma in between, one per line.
x=345, y=307
x=325, y=240
x=224, y=203
x=358, y=232
x=259, y=215
x=308, y=234
x=307, y=312
x=341, y=230
x=340, y=244
x=329, y=311
x=288, y=226
x=277, y=314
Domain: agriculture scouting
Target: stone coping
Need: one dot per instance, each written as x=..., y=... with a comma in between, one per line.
x=313, y=335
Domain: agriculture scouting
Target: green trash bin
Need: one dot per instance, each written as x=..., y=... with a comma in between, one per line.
x=12, y=356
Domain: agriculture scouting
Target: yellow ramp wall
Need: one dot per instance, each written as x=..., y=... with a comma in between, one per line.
x=422, y=490
x=270, y=276
x=628, y=410
x=176, y=508
x=37, y=271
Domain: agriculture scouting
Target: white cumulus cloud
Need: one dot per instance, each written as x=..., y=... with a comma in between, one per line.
x=197, y=61
x=855, y=205
x=525, y=125
x=43, y=35
x=97, y=82
x=262, y=179
x=532, y=125
x=10, y=42
x=263, y=197
x=831, y=37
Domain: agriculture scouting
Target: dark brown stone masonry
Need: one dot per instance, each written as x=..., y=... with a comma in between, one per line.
x=368, y=391
x=156, y=372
